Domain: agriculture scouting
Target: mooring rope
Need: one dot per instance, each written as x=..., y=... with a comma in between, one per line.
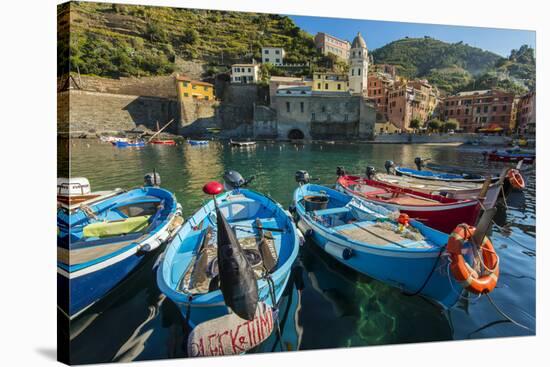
x=429, y=276
x=508, y=317
x=271, y=285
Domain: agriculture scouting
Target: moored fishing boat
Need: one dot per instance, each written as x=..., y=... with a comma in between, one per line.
x=129, y=143
x=437, y=211
x=238, y=229
x=102, y=240
x=110, y=139
x=504, y=156
x=388, y=247
x=242, y=143
x=197, y=142
x=163, y=142
x=453, y=190
x=442, y=176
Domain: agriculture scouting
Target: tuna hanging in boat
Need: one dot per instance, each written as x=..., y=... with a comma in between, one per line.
x=237, y=279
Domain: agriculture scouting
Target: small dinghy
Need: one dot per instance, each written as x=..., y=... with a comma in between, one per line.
x=129, y=143
x=111, y=139
x=228, y=266
x=102, y=240
x=163, y=142
x=437, y=211
x=391, y=248
x=504, y=156
x=197, y=142
x=242, y=143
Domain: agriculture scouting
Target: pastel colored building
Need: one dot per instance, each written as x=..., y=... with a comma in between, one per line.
x=410, y=100
x=330, y=82
x=378, y=86
x=358, y=66
x=273, y=55
x=276, y=82
x=327, y=44
x=188, y=88
x=245, y=73
x=527, y=114
x=480, y=109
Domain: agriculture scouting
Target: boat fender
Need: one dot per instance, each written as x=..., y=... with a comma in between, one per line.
x=516, y=179
x=462, y=271
x=144, y=248
x=340, y=252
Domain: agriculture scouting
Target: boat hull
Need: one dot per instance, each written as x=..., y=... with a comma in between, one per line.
x=441, y=216
x=164, y=142
x=435, y=176
x=409, y=271
x=77, y=294
x=179, y=255
x=514, y=158
x=459, y=191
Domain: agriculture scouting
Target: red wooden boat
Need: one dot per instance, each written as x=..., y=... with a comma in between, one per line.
x=511, y=157
x=435, y=211
x=164, y=142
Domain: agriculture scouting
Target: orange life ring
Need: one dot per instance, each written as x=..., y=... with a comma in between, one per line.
x=516, y=179
x=462, y=271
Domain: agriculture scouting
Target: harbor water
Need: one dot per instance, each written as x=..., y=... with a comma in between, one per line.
x=325, y=305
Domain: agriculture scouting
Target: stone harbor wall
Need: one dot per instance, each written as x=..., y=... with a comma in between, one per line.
x=196, y=117
x=85, y=112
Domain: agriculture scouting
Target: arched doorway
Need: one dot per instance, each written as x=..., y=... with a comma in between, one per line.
x=295, y=134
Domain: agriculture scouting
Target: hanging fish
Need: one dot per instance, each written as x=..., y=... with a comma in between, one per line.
x=237, y=280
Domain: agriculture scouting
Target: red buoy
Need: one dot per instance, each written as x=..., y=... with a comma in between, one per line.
x=212, y=188
x=403, y=219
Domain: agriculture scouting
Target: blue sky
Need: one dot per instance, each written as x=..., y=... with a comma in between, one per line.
x=379, y=33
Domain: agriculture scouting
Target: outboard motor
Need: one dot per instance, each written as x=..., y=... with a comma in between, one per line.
x=152, y=179
x=302, y=177
x=233, y=180
x=370, y=172
x=419, y=163
x=340, y=171
x=388, y=165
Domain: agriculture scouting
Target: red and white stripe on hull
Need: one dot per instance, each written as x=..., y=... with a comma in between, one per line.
x=440, y=213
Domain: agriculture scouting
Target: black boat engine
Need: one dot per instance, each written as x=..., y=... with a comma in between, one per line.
x=419, y=163
x=370, y=172
x=388, y=165
x=302, y=177
x=233, y=180
x=151, y=179
x=340, y=171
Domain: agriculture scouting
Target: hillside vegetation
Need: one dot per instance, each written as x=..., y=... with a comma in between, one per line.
x=132, y=40
x=458, y=66
x=114, y=40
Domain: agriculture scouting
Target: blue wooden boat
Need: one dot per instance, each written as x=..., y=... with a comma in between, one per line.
x=442, y=176
x=187, y=272
x=197, y=142
x=102, y=239
x=363, y=237
x=126, y=144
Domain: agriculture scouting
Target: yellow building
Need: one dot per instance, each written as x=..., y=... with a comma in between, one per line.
x=330, y=82
x=188, y=88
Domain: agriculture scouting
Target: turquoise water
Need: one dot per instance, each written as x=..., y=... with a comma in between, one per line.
x=327, y=305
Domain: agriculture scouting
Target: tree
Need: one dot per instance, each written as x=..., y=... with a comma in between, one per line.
x=434, y=124
x=415, y=123
x=451, y=124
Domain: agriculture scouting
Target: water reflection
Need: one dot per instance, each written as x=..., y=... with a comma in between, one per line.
x=328, y=305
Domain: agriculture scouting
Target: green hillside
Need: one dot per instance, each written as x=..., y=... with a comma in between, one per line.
x=132, y=40
x=458, y=66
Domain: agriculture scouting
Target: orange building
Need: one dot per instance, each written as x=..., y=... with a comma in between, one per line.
x=409, y=100
x=479, y=109
x=188, y=88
